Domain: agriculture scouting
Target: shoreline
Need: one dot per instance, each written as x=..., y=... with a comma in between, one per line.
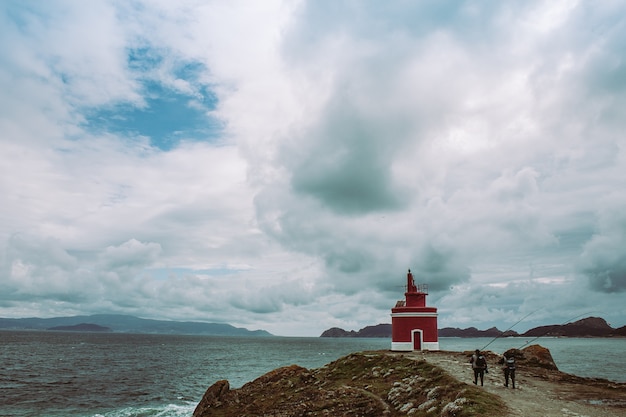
x=420, y=383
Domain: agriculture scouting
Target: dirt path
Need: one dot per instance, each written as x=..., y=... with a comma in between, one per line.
x=536, y=395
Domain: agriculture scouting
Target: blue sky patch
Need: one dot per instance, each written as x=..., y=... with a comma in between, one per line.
x=169, y=116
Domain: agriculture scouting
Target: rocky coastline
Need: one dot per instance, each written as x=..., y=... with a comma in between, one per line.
x=435, y=383
x=587, y=327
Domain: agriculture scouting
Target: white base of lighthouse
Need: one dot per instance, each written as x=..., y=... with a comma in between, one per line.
x=408, y=346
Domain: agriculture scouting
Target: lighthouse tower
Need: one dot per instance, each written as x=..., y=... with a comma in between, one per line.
x=413, y=325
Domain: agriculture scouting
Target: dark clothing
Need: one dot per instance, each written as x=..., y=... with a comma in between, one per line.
x=508, y=367
x=479, y=365
x=479, y=373
x=509, y=373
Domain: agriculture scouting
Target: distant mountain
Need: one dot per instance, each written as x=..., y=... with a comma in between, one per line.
x=380, y=330
x=82, y=327
x=384, y=330
x=337, y=332
x=589, y=327
x=474, y=332
x=130, y=324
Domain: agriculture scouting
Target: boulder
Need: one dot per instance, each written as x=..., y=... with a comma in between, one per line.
x=536, y=356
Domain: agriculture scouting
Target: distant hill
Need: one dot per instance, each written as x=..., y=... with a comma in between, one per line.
x=589, y=327
x=380, y=330
x=130, y=324
x=384, y=330
x=82, y=327
x=474, y=332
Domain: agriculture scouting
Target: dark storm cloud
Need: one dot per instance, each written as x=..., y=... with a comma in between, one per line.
x=348, y=260
x=603, y=260
x=440, y=267
x=345, y=162
x=608, y=277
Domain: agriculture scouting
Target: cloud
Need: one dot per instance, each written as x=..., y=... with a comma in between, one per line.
x=603, y=260
x=39, y=269
x=346, y=172
x=281, y=165
x=441, y=267
x=132, y=255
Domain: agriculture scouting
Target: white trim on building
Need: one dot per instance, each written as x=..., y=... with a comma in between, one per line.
x=413, y=314
x=408, y=346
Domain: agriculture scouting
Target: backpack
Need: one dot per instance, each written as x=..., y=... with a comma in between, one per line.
x=510, y=362
x=481, y=362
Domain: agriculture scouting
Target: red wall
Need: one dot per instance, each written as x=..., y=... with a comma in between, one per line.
x=401, y=328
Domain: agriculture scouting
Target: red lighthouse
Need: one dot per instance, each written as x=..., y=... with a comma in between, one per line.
x=413, y=325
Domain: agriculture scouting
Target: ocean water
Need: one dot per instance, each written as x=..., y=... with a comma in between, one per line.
x=130, y=375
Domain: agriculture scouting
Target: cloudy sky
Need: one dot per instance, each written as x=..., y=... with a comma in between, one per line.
x=279, y=165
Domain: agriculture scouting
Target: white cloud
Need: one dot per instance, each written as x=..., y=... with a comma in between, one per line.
x=482, y=147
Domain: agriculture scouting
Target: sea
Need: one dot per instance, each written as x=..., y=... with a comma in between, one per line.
x=69, y=374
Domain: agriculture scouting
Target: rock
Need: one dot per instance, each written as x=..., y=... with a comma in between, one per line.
x=213, y=397
x=422, y=384
x=368, y=384
x=536, y=355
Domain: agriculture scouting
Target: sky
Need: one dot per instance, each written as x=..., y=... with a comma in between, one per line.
x=280, y=165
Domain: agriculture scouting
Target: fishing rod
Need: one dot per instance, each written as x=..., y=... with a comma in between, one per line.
x=550, y=328
x=501, y=333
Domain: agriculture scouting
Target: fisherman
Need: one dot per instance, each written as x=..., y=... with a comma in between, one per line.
x=508, y=367
x=479, y=365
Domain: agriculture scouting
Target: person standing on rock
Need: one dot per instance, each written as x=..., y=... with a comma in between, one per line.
x=479, y=365
x=508, y=366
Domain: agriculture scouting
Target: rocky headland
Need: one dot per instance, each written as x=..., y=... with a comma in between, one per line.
x=588, y=327
x=379, y=330
x=428, y=383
